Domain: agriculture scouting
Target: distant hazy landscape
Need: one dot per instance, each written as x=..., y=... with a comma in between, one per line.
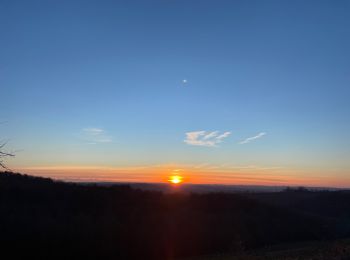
x=208, y=188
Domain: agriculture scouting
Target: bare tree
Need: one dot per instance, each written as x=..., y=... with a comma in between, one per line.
x=3, y=155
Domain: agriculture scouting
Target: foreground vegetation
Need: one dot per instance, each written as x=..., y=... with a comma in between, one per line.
x=321, y=250
x=55, y=220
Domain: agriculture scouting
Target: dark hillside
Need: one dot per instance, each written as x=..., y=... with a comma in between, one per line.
x=331, y=206
x=49, y=219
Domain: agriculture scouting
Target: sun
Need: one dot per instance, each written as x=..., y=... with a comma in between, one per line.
x=175, y=179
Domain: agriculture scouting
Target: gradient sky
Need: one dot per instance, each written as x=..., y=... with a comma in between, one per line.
x=242, y=92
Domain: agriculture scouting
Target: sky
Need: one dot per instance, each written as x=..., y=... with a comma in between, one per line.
x=230, y=92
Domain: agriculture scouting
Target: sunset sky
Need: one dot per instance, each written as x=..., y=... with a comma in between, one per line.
x=231, y=92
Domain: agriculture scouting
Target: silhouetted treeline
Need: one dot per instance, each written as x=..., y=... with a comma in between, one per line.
x=56, y=220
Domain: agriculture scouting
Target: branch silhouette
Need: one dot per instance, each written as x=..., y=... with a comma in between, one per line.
x=3, y=155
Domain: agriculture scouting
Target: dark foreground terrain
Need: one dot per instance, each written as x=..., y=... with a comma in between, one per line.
x=54, y=220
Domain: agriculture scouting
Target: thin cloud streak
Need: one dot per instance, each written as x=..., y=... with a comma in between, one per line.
x=94, y=135
x=250, y=139
x=205, y=138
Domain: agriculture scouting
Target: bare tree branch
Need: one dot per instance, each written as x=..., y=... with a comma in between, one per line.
x=3, y=155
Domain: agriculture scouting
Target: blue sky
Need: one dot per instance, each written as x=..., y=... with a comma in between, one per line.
x=100, y=83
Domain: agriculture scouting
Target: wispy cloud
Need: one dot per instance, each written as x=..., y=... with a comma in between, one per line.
x=205, y=138
x=95, y=135
x=250, y=139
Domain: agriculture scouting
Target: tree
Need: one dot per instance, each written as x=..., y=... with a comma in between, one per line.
x=3, y=155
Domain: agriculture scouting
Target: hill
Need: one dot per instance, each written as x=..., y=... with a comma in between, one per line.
x=55, y=220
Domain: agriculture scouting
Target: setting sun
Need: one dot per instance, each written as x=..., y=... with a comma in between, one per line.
x=175, y=179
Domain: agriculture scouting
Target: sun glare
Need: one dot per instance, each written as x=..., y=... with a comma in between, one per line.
x=175, y=179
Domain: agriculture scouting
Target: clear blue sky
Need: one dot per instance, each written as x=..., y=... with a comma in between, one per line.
x=101, y=83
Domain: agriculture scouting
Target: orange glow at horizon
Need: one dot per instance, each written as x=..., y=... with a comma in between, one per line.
x=271, y=176
x=175, y=179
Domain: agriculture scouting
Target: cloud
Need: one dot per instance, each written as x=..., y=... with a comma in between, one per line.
x=205, y=138
x=95, y=135
x=249, y=139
